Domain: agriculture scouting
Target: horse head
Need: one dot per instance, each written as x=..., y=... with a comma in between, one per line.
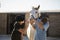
x=34, y=13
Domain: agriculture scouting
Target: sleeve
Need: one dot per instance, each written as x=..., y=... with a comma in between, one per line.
x=46, y=26
x=16, y=36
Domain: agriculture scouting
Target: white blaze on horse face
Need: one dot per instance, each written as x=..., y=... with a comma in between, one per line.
x=35, y=12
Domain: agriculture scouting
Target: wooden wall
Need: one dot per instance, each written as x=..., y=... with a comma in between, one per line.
x=3, y=23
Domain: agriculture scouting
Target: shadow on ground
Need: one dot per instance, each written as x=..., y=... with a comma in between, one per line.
x=8, y=37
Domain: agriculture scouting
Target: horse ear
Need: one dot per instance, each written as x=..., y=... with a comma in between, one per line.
x=38, y=6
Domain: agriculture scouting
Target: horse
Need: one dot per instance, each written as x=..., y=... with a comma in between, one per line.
x=34, y=13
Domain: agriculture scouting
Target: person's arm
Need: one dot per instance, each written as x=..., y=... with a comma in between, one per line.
x=40, y=25
x=46, y=26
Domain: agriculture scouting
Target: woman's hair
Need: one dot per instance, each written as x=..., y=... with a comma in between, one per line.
x=44, y=20
x=20, y=18
x=44, y=15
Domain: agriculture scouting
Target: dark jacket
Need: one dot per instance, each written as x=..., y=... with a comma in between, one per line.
x=16, y=35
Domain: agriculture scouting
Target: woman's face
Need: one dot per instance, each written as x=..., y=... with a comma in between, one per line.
x=21, y=22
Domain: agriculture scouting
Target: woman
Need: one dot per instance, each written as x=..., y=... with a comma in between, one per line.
x=19, y=33
x=41, y=27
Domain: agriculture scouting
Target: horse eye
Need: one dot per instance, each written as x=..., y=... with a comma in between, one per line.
x=36, y=12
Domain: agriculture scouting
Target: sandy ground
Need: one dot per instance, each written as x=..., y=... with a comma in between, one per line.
x=8, y=37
